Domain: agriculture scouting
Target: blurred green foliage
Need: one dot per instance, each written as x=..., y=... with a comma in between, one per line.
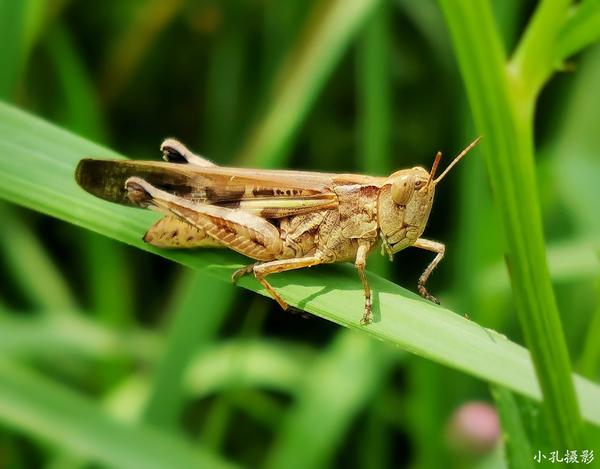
x=117, y=357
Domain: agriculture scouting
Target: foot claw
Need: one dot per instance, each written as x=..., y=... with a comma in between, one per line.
x=241, y=272
x=428, y=296
x=367, y=317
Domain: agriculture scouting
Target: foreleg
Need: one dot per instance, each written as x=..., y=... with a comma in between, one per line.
x=439, y=249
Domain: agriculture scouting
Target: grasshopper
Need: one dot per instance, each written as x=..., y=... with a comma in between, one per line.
x=282, y=219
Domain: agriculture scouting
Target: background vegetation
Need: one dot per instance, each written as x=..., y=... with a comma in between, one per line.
x=113, y=356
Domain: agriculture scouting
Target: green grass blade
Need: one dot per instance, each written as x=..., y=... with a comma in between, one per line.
x=504, y=115
x=19, y=27
x=535, y=55
x=581, y=30
x=320, y=46
x=375, y=104
x=516, y=441
x=589, y=361
x=38, y=406
x=81, y=109
x=71, y=332
x=375, y=95
x=106, y=260
x=226, y=366
x=335, y=389
x=574, y=149
x=248, y=364
x=225, y=86
x=194, y=322
x=568, y=262
x=32, y=267
x=427, y=412
x=37, y=161
x=129, y=47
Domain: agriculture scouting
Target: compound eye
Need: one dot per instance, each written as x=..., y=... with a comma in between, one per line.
x=402, y=189
x=419, y=183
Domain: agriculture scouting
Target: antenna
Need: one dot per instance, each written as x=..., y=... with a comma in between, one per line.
x=456, y=160
x=434, y=168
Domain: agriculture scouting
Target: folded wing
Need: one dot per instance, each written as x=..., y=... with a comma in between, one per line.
x=267, y=193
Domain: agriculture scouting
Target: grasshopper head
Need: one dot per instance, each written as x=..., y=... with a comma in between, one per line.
x=405, y=201
x=403, y=207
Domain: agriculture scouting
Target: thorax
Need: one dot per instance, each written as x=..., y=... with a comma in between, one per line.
x=335, y=233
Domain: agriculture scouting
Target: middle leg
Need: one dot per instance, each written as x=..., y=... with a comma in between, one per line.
x=266, y=268
x=360, y=263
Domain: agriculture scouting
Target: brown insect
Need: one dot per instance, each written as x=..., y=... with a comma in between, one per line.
x=283, y=219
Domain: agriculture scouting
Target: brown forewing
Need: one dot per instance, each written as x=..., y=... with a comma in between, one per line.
x=268, y=193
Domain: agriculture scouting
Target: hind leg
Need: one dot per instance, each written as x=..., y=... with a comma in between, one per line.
x=243, y=232
x=170, y=232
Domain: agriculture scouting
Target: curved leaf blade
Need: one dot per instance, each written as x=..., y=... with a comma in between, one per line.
x=37, y=162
